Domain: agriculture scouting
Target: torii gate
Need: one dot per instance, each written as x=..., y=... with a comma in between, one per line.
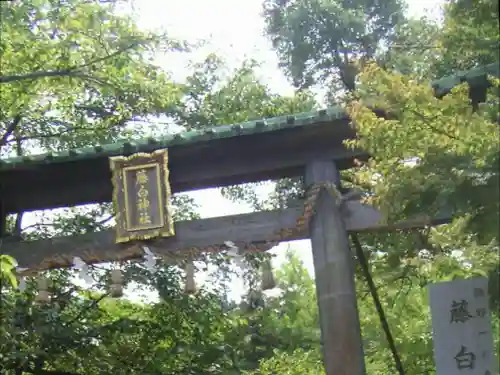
x=305, y=144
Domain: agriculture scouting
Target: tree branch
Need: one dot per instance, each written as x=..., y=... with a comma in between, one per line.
x=69, y=72
x=69, y=130
x=36, y=75
x=427, y=122
x=94, y=303
x=109, y=56
x=52, y=135
x=10, y=129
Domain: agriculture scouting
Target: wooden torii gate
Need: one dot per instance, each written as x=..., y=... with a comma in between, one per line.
x=305, y=144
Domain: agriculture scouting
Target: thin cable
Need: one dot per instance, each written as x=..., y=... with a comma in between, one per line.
x=380, y=310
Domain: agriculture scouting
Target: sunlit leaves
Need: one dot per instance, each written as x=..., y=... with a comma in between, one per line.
x=7, y=268
x=299, y=362
x=428, y=153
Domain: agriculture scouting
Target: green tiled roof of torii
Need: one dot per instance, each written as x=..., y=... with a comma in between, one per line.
x=475, y=77
x=182, y=138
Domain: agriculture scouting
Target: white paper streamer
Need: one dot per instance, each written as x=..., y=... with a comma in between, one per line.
x=149, y=258
x=83, y=269
x=21, y=279
x=234, y=252
x=22, y=284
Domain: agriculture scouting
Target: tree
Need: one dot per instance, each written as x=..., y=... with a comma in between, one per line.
x=74, y=73
x=430, y=152
x=470, y=35
x=299, y=362
x=318, y=41
x=216, y=95
x=414, y=48
x=465, y=38
x=87, y=334
x=293, y=317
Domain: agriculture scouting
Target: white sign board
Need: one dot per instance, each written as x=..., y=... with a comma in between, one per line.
x=461, y=325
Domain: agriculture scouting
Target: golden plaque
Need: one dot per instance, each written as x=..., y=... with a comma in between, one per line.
x=141, y=196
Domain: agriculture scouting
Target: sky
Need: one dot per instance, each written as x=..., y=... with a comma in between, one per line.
x=235, y=30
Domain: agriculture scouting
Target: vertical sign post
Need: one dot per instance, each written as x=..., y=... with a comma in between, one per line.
x=461, y=325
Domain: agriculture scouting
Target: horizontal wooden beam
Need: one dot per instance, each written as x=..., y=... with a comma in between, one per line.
x=206, y=234
x=215, y=163
x=94, y=186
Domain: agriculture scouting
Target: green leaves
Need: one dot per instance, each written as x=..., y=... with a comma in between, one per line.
x=77, y=74
x=413, y=48
x=316, y=40
x=470, y=35
x=429, y=153
x=216, y=96
x=299, y=362
x=7, y=268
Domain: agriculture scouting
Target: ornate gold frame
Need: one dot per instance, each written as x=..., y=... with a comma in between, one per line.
x=119, y=174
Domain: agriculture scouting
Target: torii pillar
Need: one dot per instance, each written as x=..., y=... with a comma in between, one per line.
x=334, y=269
